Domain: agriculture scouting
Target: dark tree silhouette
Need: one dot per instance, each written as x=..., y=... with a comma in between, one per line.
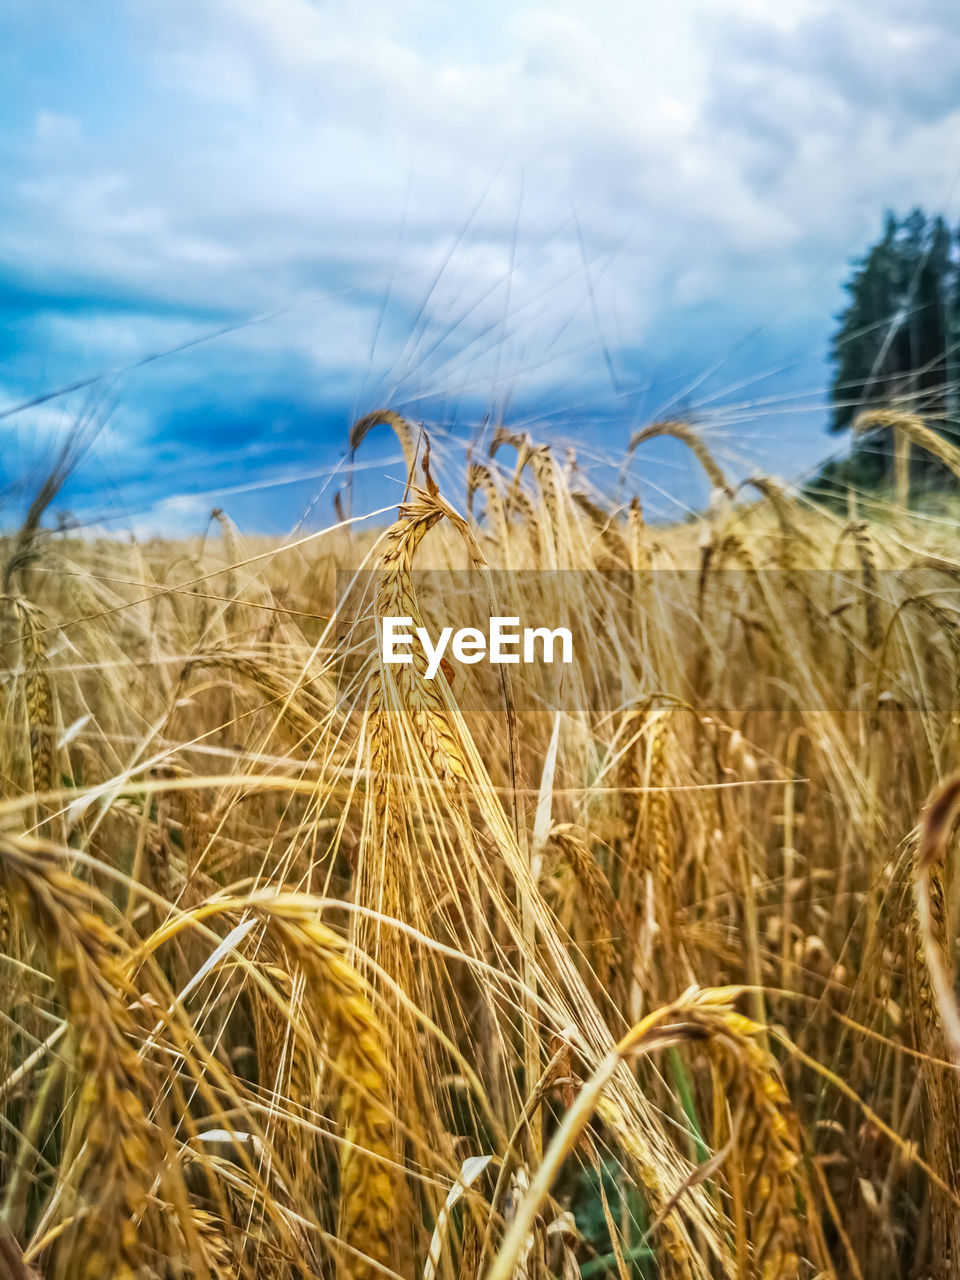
x=894, y=337
x=895, y=341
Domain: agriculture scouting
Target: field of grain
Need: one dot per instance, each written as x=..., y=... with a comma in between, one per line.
x=313, y=967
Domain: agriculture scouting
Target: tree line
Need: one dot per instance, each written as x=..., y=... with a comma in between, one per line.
x=897, y=344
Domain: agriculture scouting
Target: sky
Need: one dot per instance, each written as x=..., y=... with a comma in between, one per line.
x=577, y=216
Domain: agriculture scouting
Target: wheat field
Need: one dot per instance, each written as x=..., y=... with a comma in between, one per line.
x=314, y=967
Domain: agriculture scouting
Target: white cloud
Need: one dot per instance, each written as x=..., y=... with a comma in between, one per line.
x=719, y=155
x=53, y=126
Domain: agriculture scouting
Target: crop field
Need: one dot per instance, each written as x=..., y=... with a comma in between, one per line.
x=635, y=965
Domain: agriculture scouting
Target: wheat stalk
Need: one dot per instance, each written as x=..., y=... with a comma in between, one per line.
x=770, y=1151
x=481, y=477
x=371, y=1203
x=684, y=432
x=937, y=1014
x=38, y=700
x=867, y=554
x=400, y=427
x=601, y=911
x=911, y=427
x=122, y=1150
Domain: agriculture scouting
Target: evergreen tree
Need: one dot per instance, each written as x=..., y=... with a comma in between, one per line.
x=894, y=339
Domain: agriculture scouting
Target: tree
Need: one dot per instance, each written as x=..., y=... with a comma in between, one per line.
x=894, y=340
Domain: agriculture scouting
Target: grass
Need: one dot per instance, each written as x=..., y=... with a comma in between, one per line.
x=313, y=967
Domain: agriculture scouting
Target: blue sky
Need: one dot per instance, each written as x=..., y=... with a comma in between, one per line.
x=585, y=214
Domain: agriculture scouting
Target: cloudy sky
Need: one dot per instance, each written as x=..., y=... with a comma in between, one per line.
x=581, y=214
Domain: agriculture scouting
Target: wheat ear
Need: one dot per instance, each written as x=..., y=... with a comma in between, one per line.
x=231, y=553
x=684, y=432
x=769, y=1147
x=479, y=476
x=400, y=427
x=38, y=699
x=867, y=555
x=122, y=1151
x=371, y=1206
x=913, y=429
x=601, y=909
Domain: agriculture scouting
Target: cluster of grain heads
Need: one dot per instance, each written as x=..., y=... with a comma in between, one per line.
x=122, y=1202
x=114, y=1150
x=695, y=863
x=201, y=1077
x=339, y=1026
x=764, y=1146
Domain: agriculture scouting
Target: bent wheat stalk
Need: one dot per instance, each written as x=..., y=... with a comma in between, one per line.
x=398, y=424
x=684, y=432
x=771, y=1152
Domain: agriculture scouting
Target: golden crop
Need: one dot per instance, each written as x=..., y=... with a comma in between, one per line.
x=314, y=968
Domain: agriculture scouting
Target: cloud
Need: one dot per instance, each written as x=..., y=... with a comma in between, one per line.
x=563, y=203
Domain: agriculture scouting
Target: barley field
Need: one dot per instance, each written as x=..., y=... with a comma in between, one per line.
x=315, y=967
